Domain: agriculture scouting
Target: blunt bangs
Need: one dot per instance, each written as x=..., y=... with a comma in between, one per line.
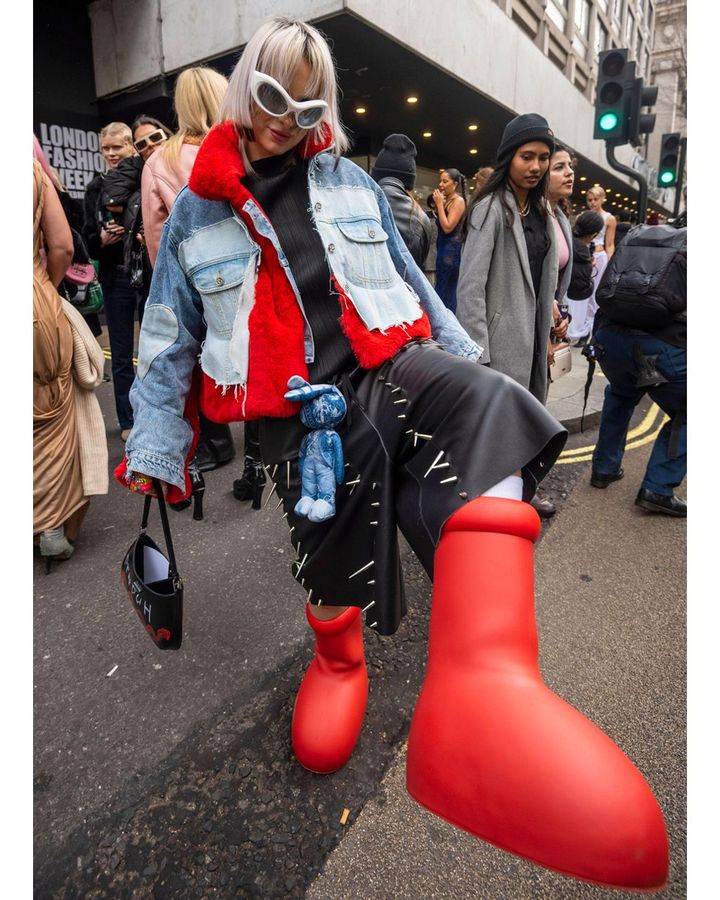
x=277, y=49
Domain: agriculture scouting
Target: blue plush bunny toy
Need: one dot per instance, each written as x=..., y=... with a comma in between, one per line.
x=321, y=461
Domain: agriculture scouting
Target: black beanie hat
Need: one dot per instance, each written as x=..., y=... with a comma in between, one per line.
x=524, y=129
x=396, y=160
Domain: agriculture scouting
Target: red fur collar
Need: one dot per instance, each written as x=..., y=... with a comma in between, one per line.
x=219, y=166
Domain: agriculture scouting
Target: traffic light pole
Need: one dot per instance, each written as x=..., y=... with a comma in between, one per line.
x=631, y=173
x=680, y=178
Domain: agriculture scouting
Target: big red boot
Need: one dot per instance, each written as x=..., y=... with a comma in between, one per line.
x=330, y=704
x=491, y=748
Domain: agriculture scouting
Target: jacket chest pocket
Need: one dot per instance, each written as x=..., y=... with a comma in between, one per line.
x=363, y=254
x=219, y=285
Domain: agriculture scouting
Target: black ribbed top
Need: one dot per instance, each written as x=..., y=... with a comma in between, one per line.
x=280, y=187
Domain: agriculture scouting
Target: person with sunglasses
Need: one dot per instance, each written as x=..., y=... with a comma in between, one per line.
x=148, y=135
x=281, y=258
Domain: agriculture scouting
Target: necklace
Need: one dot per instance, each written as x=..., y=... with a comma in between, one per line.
x=524, y=210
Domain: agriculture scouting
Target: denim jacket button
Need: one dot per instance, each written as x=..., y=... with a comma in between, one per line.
x=318, y=206
x=219, y=280
x=331, y=248
x=371, y=233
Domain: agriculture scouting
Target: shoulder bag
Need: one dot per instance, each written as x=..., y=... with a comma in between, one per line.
x=152, y=582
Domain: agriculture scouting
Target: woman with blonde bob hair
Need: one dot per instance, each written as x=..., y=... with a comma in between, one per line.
x=292, y=285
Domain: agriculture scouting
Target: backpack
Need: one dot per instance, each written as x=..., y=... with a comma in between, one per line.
x=645, y=283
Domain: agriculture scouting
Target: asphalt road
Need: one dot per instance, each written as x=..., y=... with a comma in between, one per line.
x=169, y=774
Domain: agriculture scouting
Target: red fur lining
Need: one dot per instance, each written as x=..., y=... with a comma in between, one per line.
x=372, y=348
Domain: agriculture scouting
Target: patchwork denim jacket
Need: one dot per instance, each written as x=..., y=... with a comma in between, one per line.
x=205, y=285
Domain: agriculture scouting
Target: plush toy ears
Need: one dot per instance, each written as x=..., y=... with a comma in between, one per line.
x=301, y=391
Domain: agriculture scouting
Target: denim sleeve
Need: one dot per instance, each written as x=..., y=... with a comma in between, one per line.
x=445, y=327
x=170, y=339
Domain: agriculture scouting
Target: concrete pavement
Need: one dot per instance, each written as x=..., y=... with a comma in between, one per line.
x=610, y=596
x=107, y=745
x=565, y=397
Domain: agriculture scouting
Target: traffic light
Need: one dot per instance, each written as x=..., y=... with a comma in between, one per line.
x=669, y=154
x=640, y=122
x=615, y=86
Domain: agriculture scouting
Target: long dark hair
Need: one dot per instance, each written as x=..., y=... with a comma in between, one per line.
x=457, y=176
x=497, y=183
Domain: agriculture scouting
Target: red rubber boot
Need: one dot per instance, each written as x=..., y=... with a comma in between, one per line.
x=330, y=704
x=491, y=748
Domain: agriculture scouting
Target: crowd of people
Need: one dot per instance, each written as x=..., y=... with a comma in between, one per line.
x=283, y=263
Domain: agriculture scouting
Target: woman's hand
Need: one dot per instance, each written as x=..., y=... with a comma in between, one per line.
x=438, y=199
x=143, y=484
x=550, y=354
x=111, y=234
x=560, y=326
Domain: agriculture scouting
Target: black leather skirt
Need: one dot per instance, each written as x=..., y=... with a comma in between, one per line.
x=425, y=433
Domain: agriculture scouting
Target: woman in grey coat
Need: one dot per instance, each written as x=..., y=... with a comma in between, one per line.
x=509, y=267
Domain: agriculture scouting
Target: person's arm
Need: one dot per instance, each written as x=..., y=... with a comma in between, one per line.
x=170, y=339
x=449, y=220
x=610, y=229
x=56, y=233
x=474, y=270
x=154, y=212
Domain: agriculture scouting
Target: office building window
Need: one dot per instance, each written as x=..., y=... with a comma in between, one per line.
x=555, y=15
x=617, y=10
x=601, y=38
x=582, y=17
x=629, y=30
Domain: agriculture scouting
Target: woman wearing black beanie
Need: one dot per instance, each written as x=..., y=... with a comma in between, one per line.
x=509, y=267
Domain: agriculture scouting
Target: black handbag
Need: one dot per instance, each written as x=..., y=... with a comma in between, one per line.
x=152, y=582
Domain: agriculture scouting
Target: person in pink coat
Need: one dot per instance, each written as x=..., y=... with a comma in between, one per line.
x=198, y=94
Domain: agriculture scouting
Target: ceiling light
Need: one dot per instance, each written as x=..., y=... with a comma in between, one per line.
x=626, y=198
x=473, y=151
x=427, y=133
x=412, y=99
x=360, y=110
x=472, y=128
x=583, y=178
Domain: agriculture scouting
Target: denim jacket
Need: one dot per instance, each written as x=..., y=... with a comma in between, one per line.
x=220, y=260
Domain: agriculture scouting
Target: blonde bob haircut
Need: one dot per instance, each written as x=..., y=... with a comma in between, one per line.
x=277, y=48
x=596, y=189
x=199, y=92
x=117, y=129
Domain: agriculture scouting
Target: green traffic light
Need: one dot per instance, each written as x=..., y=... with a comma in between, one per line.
x=608, y=121
x=667, y=177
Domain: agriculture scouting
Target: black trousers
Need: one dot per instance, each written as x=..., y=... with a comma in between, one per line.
x=425, y=433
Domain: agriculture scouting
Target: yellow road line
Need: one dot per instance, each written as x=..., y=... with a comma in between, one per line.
x=108, y=355
x=630, y=444
x=646, y=424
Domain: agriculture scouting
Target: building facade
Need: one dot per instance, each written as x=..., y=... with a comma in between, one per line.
x=490, y=60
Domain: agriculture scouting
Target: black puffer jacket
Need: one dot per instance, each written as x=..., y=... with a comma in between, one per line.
x=121, y=187
x=581, y=283
x=413, y=224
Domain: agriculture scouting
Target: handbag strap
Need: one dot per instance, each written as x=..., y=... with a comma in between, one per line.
x=165, y=523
